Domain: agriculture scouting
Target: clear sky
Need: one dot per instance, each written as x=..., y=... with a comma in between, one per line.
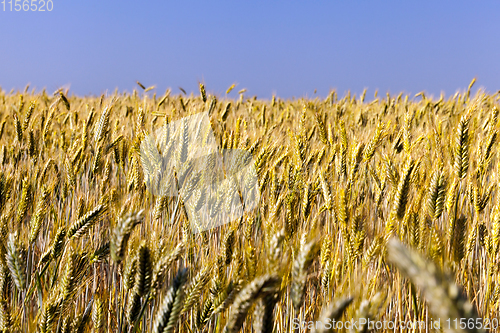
x=288, y=48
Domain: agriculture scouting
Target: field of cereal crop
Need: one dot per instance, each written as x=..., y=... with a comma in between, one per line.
x=385, y=210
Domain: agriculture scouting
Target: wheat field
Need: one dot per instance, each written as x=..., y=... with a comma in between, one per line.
x=387, y=210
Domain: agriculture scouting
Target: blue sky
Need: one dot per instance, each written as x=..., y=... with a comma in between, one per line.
x=288, y=48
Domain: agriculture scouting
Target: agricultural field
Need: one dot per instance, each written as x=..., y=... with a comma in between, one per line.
x=385, y=210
